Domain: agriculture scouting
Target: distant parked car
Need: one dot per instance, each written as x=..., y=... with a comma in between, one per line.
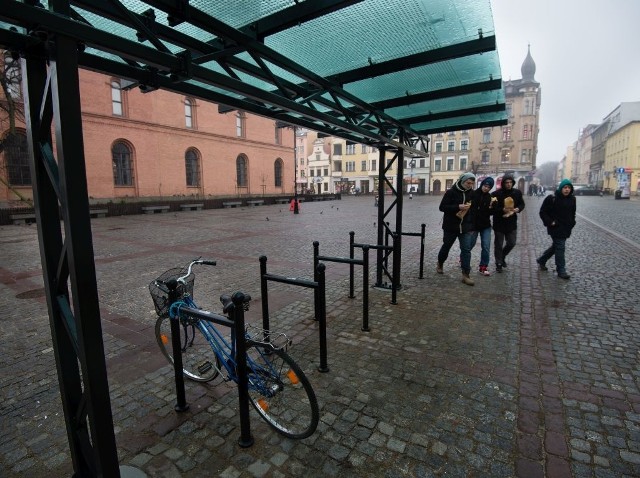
x=584, y=190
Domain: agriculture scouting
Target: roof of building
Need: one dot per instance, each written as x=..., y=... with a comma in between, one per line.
x=380, y=71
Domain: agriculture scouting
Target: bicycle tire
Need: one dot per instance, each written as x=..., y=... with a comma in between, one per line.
x=280, y=392
x=199, y=362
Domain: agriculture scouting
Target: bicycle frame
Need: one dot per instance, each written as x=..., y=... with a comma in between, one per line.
x=226, y=352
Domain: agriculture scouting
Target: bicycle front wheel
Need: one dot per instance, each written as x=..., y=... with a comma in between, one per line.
x=199, y=362
x=280, y=392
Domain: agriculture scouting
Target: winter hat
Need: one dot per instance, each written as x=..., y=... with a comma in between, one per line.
x=508, y=177
x=488, y=181
x=563, y=183
x=464, y=176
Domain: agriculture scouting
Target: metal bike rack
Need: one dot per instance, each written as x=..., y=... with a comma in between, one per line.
x=320, y=308
x=421, y=235
x=364, y=262
x=236, y=312
x=381, y=249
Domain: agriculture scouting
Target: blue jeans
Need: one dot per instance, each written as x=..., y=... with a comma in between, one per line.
x=465, y=248
x=485, y=244
x=557, y=249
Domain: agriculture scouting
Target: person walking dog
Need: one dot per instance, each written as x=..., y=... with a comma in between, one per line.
x=558, y=214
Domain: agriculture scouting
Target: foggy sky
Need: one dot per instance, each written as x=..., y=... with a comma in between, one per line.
x=587, y=56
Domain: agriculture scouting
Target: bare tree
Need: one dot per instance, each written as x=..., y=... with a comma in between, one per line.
x=11, y=101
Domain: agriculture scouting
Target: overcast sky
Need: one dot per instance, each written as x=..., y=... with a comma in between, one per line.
x=587, y=55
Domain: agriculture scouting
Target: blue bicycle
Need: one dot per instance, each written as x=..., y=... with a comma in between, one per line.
x=278, y=389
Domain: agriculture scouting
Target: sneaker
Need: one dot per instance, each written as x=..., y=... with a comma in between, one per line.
x=541, y=266
x=439, y=268
x=564, y=275
x=484, y=271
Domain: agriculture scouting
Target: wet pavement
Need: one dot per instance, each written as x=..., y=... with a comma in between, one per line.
x=523, y=374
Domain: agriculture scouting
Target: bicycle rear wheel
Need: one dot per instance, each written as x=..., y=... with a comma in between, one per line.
x=280, y=392
x=199, y=362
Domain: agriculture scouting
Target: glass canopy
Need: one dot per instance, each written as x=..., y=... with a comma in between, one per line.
x=371, y=71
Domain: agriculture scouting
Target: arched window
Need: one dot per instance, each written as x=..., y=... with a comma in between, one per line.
x=277, y=172
x=122, y=164
x=241, y=171
x=12, y=75
x=116, y=99
x=192, y=166
x=16, y=154
x=189, y=119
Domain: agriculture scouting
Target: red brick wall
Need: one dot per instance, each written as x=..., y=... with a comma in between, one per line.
x=154, y=126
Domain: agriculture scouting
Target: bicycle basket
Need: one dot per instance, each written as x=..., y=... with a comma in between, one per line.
x=160, y=293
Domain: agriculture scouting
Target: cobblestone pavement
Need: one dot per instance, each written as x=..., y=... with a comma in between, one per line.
x=522, y=375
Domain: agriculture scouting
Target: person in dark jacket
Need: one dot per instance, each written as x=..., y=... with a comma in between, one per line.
x=482, y=209
x=558, y=214
x=505, y=220
x=457, y=223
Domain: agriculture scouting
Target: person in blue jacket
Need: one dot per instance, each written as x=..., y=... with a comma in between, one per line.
x=558, y=214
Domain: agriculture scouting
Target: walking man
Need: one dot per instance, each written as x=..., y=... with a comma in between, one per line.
x=457, y=224
x=482, y=209
x=558, y=213
x=505, y=221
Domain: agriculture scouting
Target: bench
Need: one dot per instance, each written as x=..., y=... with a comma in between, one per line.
x=98, y=212
x=155, y=209
x=283, y=201
x=191, y=207
x=255, y=202
x=232, y=204
x=27, y=218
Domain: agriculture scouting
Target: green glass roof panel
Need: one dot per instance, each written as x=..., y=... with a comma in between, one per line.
x=448, y=104
x=381, y=30
x=437, y=76
x=461, y=120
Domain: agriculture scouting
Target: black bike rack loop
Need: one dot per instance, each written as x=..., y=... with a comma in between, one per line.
x=236, y=313
x=320, y=307
x=364, y=262
x=421, y=235
x=353, y=245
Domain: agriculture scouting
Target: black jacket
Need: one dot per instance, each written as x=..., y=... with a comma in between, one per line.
x=481, y=209
x=450, y=205
x=559, y=210
x=510, y=223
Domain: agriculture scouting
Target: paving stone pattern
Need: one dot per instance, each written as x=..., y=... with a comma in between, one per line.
x=523, y=375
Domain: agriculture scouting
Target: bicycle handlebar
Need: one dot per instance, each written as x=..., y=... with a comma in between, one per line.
x=196, y=261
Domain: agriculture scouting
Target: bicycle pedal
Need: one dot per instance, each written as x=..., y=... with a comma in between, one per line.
x=204, y=367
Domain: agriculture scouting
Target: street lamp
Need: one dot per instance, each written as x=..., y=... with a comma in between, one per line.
x=412, y=164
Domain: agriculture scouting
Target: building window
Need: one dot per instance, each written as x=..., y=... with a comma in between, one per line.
x=506, y=133
x=486, y=157
x=326, y=172
x=524, y=157
x=364, y=149
x=12, y=75
x=317, y=157
x=122, y=164
x=529, y=106
x=192, y=166
x=337, y=166
x=278, y=167
x=116, y=99
x=527, y=131
x=241, y=171
x=278, y=135
x=439, y=147
x=363, y=165
x=437, y=165
x=337, y=149
x=422, y=163
x=509, y=110
x=486, y=135
x=451, y=146
x=241, y=119
x=464, y=145
x=16, y=153
x=505, y=156
x=350, y=165
x=450, y=164
x=374, y=165
x=189, y=119
x=351, y=148
x=463, y=164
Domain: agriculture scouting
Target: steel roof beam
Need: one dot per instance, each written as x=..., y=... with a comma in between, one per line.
x=468, y=125
x=294, y=15
x=450, y=52
x=493, y=108
x=412, y=99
